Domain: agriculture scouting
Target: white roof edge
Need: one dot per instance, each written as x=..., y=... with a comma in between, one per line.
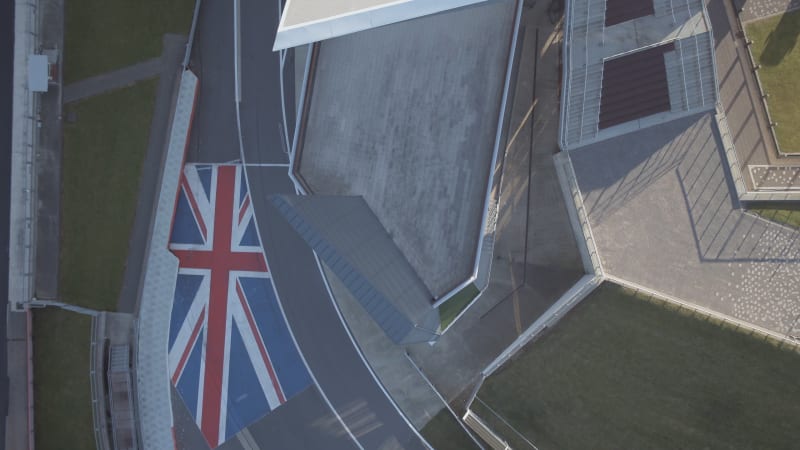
x=318, y=30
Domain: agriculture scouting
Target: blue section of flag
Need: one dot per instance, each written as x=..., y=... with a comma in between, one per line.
x=250, y=236
x=268, y=317
x=204, y=174
x=184, y=228
x=226, y=387
x=188, y=384
x=186, y=287
x=246, y=401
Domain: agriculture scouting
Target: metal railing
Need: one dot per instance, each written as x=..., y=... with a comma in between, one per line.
x=754, y=67
x=24, y=149
x=566, y=71
x=95, y=386
x=488, y=197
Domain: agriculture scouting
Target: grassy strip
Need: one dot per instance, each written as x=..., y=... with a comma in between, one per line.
x=453, y=307
x=62, y=396
x=790, y=217
x=774, y=47
x=103, y=156
x=621, y=372
x=444, y=433
x=103, y=35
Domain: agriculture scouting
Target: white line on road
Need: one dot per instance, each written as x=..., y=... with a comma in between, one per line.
x=255, y=219
x=363, y=359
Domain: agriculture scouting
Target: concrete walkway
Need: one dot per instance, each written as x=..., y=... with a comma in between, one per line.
x=741, y=98
x=173, y=44
x=761, y=9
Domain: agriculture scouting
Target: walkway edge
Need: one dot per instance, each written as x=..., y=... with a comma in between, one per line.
x=154, y=406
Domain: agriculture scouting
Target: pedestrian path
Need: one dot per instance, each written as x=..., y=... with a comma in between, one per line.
x=125, y=76
x=761, y=9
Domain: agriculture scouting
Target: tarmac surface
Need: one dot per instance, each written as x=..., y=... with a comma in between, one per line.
x=6, y=96
x=305, y=421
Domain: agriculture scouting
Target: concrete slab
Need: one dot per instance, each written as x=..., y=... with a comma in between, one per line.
x=662, y=214
x=405, y=115
x=535, y=255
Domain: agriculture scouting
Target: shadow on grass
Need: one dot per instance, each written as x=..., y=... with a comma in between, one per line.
x=782, y=40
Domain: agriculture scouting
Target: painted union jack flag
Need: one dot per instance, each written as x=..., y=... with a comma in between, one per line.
x=231, y=356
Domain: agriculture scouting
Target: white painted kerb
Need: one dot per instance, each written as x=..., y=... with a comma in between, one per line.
x=161, y=269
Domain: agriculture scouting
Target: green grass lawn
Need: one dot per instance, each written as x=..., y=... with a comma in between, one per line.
x=785, y=216
x=103, y=156
x=103, y=35
x=453, y=307
x=62, y=396
x=775, y=47
x=444, y=433
x=622, y=372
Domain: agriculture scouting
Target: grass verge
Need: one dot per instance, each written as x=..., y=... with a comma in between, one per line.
x=62, y=396
x=622, y=372
x=102, y=161
x=453, y=307
x=786, y=216
x=103, y=35
x=774, y=47
x=444, y=433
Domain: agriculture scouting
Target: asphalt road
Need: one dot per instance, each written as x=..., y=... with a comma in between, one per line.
x=307, y=420
x=6, y=95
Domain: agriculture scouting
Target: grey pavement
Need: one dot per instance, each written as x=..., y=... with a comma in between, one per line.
x=662, y=214
x=740, y=96
x=406, y=116
x=305, y=422
x=169, y=67
x=48, y=163
x=7, y=43
x=213, y=135
x=759, y=9
x=116, y=79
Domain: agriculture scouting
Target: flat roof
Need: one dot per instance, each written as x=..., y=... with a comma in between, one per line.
x=307, y=21
x=405, y=115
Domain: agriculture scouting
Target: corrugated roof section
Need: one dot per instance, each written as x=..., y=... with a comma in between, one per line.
x=350, y=240
x=634, y=86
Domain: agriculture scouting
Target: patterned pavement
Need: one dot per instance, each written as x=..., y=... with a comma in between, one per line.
x=662, y=214
x=760, y=9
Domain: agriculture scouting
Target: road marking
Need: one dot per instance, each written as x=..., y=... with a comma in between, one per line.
x=246, y=439
x=364, y=360
x=255, y=219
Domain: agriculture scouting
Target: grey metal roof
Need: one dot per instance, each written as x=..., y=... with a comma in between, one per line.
x=349, y=238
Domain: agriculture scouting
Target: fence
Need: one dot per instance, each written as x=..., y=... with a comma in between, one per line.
x=96, y=384
x=25, y=136
x=754, y=67
x=793, y=341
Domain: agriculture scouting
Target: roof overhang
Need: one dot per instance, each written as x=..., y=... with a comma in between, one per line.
x=307, y=21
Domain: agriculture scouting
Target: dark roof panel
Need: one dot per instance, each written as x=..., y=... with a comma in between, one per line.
x=618, y=11
x=634, y=86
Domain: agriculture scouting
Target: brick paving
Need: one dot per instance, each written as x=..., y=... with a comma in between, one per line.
x=740, y=97
x=759, y=9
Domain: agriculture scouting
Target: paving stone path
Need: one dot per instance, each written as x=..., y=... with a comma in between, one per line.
x=760, y=9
